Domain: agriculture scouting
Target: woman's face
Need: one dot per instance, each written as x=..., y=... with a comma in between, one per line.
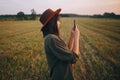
x=58, y=23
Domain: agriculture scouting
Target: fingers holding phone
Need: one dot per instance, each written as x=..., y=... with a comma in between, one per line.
x=76, y=33
x=75, y=30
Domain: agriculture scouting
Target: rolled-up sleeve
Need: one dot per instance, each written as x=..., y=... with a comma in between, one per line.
x=60, y=50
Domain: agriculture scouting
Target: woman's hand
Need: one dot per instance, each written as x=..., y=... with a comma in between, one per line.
x=71, y=40
x=74, y=40
x=76, y=35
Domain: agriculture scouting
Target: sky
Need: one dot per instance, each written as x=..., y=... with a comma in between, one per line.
x=83, y=7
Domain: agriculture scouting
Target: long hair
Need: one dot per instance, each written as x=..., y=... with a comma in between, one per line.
x=51, y=27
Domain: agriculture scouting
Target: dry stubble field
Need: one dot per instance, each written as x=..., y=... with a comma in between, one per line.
x=22, y=55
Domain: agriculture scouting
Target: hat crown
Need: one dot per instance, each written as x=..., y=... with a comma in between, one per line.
x=46, y=15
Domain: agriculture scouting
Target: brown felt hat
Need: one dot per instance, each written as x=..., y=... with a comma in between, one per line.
x=47, y=15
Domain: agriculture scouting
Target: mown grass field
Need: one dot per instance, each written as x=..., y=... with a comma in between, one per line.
x=22, y=55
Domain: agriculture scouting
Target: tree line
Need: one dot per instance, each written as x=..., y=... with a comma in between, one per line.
x=20, y=16
x=33, y=16
x=107, y=15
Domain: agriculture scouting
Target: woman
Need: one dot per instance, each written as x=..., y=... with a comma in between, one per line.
x=59, y=55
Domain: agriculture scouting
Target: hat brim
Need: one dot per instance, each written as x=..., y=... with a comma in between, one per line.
x=56, y=12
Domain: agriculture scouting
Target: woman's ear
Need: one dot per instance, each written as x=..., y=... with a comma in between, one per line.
x=58, y=23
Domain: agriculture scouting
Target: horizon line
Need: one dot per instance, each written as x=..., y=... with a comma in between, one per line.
x=67, y=13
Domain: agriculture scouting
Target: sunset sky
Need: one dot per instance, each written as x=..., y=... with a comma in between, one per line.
x=83, y=7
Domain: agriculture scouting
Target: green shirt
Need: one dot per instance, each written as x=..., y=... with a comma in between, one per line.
x=59, y=58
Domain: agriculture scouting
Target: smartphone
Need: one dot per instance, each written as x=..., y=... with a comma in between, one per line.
x=74, y=25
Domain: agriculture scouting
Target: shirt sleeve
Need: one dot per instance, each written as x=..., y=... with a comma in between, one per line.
x=60, y=50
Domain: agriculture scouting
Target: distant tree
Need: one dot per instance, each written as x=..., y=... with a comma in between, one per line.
x=20, y=15
x=97, y=16
x=113, y=14
x=109, y=14
x=33, y=14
